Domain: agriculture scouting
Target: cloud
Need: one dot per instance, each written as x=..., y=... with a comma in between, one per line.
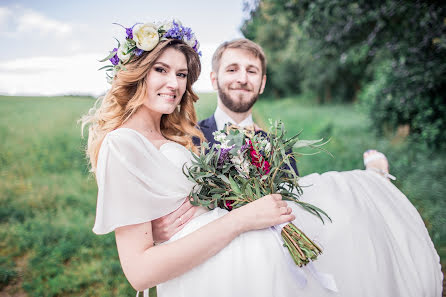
x=29, y=21
x=5, y=13
x=32, y=21
x=74, y=74
x=46, y=76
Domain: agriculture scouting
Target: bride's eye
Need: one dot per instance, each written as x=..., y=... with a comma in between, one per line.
x=160, y=69
x=182, y=75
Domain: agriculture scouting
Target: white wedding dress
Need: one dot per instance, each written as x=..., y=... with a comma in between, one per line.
x=377, y=244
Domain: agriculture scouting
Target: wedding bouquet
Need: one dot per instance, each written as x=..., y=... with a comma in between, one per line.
x=248, y=165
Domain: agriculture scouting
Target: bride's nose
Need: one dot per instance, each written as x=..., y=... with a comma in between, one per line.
x=172, y=81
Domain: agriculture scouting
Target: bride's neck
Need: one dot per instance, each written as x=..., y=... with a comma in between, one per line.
x=145, y=120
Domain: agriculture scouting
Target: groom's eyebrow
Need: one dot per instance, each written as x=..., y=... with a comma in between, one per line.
x=238, y=65
x=232, y=65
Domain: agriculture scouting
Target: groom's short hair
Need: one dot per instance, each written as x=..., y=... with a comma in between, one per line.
x=241, y=43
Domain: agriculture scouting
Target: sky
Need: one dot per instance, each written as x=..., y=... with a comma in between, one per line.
x=53, y=47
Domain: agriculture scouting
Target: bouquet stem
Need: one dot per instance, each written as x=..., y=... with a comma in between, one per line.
x=301, y=248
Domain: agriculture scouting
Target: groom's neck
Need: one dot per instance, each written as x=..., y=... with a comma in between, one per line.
x=238, y=117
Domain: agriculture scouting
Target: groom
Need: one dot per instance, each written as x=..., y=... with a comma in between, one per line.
x=239, y=76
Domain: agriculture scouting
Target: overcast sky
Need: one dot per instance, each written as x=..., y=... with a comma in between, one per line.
x=52, y=47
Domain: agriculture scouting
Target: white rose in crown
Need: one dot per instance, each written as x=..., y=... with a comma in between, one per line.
x=167, y=25
x=123, y=52
x=146, y=36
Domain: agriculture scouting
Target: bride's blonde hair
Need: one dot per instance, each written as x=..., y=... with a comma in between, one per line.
x=129, y=91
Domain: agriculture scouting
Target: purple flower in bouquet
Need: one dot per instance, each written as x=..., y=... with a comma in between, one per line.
x=224, y=156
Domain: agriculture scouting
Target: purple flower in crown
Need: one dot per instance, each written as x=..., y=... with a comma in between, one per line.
x=174, y=32
x=115, y=60
x=187, y=32
x=128, y=31
x=138, y=52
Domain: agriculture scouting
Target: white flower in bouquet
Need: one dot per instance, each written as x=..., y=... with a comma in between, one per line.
x=220, y=136
x=241, y=164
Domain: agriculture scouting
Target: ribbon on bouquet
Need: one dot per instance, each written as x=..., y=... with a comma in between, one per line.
x=326, y=280
x=145, y=293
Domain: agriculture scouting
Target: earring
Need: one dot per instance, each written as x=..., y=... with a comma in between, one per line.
x=178, y=107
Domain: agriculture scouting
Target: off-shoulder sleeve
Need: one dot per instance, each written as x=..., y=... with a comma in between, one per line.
x=135, y=183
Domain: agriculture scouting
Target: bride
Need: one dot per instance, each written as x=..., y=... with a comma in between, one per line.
x=141, y=135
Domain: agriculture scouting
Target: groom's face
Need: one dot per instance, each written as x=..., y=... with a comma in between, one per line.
x=239, y=79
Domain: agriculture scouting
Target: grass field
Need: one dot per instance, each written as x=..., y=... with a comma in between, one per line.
x=48, y=197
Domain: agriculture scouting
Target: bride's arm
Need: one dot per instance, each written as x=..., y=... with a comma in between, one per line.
x=146, y=265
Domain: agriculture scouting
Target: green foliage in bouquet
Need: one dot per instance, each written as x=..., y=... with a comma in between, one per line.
x=245, y=166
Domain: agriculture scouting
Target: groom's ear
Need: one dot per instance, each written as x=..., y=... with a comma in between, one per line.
x=214, y=80
x=262, y=87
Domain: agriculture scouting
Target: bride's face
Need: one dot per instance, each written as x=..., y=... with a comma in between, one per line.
x=166, y=82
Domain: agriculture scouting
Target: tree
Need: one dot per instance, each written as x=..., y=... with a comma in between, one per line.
x=390, y=53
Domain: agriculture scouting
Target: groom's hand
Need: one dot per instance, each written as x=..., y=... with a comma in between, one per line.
x=165, y=227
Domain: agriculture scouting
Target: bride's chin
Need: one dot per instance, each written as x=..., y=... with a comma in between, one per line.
x=170, y=110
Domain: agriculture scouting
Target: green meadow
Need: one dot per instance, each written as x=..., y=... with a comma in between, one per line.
x=48, y=196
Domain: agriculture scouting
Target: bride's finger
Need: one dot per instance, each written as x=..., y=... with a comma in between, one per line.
x=287, y=218
x=276, y=197
x=281, y=203
x=284, y=210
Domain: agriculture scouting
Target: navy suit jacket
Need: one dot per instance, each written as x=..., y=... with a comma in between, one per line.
x=209, y=126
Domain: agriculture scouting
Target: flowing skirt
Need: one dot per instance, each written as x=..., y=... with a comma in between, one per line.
x=376, y=245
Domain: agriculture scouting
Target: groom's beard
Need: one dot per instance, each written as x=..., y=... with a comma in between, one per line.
x=237, y=104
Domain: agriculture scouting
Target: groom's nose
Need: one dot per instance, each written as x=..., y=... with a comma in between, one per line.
x=242, y=77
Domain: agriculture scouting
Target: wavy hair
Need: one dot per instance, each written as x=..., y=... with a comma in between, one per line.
x=129, y=91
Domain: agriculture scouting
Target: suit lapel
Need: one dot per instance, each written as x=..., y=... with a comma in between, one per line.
x=209, y=126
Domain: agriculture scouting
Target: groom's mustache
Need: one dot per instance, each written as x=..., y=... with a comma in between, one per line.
x=240, y=87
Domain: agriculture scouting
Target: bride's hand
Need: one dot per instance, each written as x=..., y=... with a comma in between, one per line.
x=165, y=227
x=265, y=212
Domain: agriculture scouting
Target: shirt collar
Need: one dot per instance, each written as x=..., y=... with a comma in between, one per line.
x=221, y=118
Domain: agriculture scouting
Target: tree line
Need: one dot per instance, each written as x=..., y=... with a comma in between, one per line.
x=388, y=54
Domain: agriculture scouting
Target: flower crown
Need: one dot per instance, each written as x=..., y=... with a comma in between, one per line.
x=144, y=38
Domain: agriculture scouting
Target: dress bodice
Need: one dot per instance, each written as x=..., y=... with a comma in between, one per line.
x=177, y=154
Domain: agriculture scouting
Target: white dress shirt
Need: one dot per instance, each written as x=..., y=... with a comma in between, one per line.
x=221, y=118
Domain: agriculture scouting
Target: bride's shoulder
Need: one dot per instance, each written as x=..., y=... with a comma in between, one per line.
x=124, y=135
x=125, y=140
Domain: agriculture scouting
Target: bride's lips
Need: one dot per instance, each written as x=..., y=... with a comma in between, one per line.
x=168, y=96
